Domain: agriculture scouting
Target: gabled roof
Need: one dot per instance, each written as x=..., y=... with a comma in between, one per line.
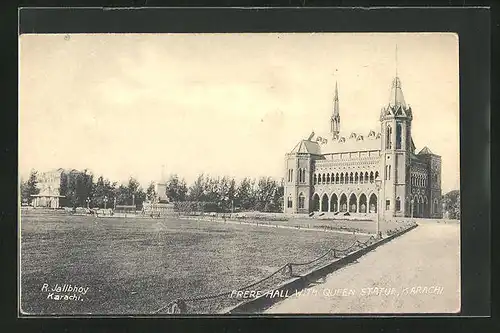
x=307, y=147
x=425, y=151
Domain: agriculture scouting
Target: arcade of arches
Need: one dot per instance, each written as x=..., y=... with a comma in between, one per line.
x=365, y=204
x=351, y=204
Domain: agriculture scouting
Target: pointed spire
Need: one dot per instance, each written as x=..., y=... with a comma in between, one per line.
x=397, y=98
x=396, y=60
x=335, y=119
x=336, y=101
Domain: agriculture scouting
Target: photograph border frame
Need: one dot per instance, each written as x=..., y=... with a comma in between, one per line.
x=473, y=28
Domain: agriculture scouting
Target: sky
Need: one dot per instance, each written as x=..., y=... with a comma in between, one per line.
x=141, y=105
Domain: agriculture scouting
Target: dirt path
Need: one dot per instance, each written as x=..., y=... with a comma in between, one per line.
x=415, y=273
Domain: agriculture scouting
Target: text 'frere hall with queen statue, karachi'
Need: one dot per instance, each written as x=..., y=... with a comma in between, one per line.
x=349, y=173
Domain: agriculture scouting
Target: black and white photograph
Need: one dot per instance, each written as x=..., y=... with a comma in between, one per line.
x=239, y=173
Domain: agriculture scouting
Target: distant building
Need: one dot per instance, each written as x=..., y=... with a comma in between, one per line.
x=336, y=174
x=49, y=184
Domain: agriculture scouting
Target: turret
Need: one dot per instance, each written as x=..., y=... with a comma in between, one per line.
x=396, y=145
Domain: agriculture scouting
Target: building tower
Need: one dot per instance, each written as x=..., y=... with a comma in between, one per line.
x=335, y=119
x=299, y=165
x=396, y=149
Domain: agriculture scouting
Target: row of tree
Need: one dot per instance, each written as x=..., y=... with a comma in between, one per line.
x=222, y=194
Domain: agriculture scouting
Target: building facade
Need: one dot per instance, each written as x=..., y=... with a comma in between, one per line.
x=365, y=174
x=49, y=184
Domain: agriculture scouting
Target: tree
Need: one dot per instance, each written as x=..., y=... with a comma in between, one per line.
x=151, y=192
x=137, y=195
x=76, y=187
x=29, y=187
x=196, y=191
x=100, y=190
x=176, y=189
x=245, y=198
x=122, y=195
x=451, y=202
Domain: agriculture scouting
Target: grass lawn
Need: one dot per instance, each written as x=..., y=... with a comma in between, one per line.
x=137, y=265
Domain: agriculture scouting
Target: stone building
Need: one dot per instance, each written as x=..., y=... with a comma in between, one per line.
x=337, y=174
x=49, y=184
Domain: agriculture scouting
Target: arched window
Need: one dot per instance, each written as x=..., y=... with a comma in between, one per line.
x=342, y=178
x=398, y=135
x=337, y=178
x=343, y=203
x=388, y=137
x=302, y=200
x=398, y=204
x=315, y=179
x=324, y=203
x=361, y=178
x=323, y=179
x=371, y=177
x=376, y=174
x=289, y=203
x=356, y=178
x=366, y=177
x=351, y=178
x=362, y=203
x=334, y=203
x=328, y=178
x=353, y=203
x=315, y=202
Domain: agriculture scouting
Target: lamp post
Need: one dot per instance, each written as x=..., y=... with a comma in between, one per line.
x=105, y=201
x=133, y=199
x=378, y=185
x=88, y=202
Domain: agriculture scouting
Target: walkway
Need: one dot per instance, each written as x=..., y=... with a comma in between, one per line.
x=417, y=272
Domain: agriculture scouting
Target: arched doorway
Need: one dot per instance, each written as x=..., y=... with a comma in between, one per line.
x=362, y=203
x=343, y=203
x=315, y=203
x=353, y=203
x=302, y=201
x=334, y=203
x=373, y=203
x=324, y=203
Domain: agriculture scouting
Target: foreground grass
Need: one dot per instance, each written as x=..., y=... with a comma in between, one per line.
x=135, y=266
